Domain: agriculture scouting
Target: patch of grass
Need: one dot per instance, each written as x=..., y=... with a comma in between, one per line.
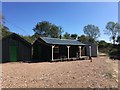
x=108, y=75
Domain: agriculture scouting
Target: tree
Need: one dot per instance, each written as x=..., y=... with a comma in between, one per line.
x=112, y=29
x=102, y=44
x=29, y=38
x=86, y=39
x=1, y=19
x=4, y=30
x=66, y=36
x=118, y=39
x=83, y=39
x=92, y=32
x=104, y=47
x=74, y=36
x=46, y=29
x=55, y=31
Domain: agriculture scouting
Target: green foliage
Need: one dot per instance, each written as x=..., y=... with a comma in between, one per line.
x=118, y=48
x=70, y=36
x=29, y=38
x=115, y=52
x=1, y=19
x=47, y=29
x=74, y=36
x=104, y=47
x=92, y=31
x=112, y=29
x=108, y=48
x=66, y=36
x=118, y=39
x=83, y=39
x=5, y=31
x=102, y=43
x=86, y=39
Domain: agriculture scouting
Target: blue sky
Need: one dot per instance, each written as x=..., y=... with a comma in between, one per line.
x=71, y=16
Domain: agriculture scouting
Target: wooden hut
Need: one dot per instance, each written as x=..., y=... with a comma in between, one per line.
x=94, y=50
x=47, y=49
x=15, y=48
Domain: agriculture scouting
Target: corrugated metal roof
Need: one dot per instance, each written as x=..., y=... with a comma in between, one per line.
x=61, y=41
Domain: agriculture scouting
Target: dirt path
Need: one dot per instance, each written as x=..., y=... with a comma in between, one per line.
x=72, y=74
x=114, y=65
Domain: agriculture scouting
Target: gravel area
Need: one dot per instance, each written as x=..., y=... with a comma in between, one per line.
x=68, y=74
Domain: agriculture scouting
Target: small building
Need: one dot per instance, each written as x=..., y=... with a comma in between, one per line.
x=94, y=50
x=15, y=48
x=50, y=49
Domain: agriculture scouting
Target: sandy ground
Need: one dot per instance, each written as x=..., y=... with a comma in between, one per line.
x=72, y=74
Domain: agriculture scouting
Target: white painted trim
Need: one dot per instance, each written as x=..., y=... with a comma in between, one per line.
x=90, y=50
x=53, y=51
x=79, y=51
x=68, y=51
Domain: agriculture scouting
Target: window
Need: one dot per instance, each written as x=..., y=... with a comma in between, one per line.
x=56, y=49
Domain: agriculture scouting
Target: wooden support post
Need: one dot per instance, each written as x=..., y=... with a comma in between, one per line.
x=32, y=51
x=68, y=51
x=79, y=51
x=52, y=52
x=90, y=53
x=97, y=51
